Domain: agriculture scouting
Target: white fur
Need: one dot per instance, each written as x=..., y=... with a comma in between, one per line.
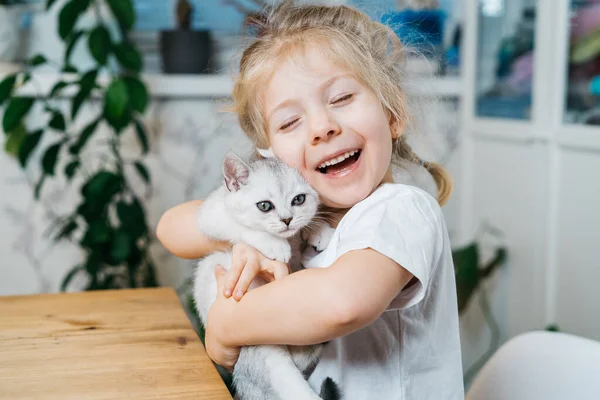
x=231, y=213
x=266, y=153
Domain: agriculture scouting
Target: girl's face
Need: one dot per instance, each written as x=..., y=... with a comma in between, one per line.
x=327, y=124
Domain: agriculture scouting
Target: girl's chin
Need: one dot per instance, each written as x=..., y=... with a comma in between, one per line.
x=343, y=199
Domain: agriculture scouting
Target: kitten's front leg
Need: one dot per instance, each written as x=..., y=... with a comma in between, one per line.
x=321, y=237
x=270, y=246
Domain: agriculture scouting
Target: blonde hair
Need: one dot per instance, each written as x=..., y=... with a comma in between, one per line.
x=369, y=49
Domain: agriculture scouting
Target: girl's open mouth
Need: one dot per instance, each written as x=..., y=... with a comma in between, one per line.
x=338, y=166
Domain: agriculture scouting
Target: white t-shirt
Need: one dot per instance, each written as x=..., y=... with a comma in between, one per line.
x=412, y=351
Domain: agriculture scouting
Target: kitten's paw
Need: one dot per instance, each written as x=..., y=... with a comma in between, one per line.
x=278, y=250
x=321, y=238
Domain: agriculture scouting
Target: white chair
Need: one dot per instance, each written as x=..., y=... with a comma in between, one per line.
x=541, y=366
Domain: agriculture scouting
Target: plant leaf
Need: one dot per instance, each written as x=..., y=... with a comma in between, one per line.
x=103, y=185
x=14, y=141
x=121, y=246
x=70, y=69
x=143, y=171
x=29, y=144
x=142, y=136
x=123, y=11
x=67, y=18
x=98, y=232
x=128, y=56
x=86, y=84
x=58, y=86
x=138, y=94
x=66, y=230
x=49, y=4
x=115, y=104
x=26, y=78
x=6, y=87
x=50, y=158
x=92, y=264
x=71, y=42
x=71, y=274
x=38, y=188
x=15, y=111
x=99, y=44
x=91, y=210
x=133, y=218
x=37, y=60
x=71, y=169
x=58, y=121
x=85, y=136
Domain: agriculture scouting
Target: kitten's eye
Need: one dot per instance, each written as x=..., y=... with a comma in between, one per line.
x=265, y=206
x=342, y=99
x=299, y=200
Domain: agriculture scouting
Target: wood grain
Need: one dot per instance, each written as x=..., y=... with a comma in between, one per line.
x=122, y=344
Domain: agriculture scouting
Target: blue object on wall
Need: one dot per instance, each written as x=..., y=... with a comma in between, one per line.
x=595, y=86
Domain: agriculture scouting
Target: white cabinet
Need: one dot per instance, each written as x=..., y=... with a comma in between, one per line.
x=531, y=156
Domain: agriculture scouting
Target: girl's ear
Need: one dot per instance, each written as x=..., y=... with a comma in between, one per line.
x=235, y=172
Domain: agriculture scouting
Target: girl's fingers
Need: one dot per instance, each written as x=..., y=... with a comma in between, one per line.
x=237, y=266
x=280, y=269
x=251, y=270
x=273, y=270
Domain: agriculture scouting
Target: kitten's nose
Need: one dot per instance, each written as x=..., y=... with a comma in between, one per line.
x=286, y=221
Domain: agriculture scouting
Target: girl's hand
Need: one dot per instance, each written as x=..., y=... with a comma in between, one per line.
x=247, y=264
x=225, y=356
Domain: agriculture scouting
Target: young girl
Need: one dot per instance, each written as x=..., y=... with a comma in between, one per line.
x=321, y=88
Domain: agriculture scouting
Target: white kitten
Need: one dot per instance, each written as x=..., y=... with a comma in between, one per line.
x=262, y=204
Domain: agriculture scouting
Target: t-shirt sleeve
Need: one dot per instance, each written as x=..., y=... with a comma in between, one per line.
x=404, y=225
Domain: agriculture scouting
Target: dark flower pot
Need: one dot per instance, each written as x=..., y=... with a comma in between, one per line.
x=186, y=52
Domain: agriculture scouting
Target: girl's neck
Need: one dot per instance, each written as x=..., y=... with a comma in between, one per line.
x=335, y=215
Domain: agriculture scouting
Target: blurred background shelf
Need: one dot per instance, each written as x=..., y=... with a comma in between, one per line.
x=215, y=85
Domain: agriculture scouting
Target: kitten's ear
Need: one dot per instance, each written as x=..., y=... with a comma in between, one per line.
x=266, y=153
x=235, y=172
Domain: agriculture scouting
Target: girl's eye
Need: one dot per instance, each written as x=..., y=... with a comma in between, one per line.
x=288, y=124
x=299, y=200
x=265, y=206
x=342, y=99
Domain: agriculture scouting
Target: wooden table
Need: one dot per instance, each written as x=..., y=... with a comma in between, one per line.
x=123, y=344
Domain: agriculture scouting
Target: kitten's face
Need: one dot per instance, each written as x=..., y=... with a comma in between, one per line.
x=272, y=197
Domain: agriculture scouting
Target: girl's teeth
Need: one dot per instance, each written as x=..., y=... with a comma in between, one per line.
x=338, y=159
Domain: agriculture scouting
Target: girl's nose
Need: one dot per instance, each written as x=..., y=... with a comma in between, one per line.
x=324, y=128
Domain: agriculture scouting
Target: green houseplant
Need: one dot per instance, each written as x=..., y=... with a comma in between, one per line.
x=109, y=221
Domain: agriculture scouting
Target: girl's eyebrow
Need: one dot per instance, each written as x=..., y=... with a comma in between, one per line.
x=323, y=86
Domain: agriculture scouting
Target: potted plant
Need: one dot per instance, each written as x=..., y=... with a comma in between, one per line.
x=184, y=50
x=9, y=29
x=109, y=220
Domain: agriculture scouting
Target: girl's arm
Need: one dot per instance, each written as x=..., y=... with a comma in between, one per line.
x=310, y=306
x=177, y=230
